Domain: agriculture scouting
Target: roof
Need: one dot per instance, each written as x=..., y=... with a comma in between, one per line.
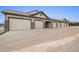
x=57, y=20
x=21, y=13
x=31, y=13
x=15, y=12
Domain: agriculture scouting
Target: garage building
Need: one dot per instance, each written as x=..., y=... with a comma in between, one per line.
x=15, y=20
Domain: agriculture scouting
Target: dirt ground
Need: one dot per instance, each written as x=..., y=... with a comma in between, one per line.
x=41, y=40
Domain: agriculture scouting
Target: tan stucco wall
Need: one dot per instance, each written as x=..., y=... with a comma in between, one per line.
x=33, y=19
x=38, y=15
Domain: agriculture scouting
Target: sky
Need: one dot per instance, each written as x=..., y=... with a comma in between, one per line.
x=58, y=12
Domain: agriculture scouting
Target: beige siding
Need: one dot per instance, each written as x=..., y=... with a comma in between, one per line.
x=19, y=24
x=39, y=15
x=38, y=24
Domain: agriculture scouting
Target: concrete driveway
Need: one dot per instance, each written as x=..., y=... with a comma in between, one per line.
x=40, y=40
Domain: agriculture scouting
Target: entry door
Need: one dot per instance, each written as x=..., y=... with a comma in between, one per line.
x=38, y=24
x=19, y=24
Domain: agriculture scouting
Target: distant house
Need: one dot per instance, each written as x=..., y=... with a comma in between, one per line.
x=15, y=20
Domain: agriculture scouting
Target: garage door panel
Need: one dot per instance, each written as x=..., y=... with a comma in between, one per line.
x=54, y=25
x=58, y=24
x=67, y=24
x=62, y=24
x=19, y=24
x=38, y=24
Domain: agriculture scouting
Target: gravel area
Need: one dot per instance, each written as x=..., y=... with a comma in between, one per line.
x=54, y=39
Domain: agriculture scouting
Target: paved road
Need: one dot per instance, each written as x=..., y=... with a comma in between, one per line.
x=18, y=40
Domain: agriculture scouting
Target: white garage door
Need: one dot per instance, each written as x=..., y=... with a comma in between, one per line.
x=58, y=25
x=62, y=24
x=19, y=24
x=38, y=24
x=67, y=24
x=54, y=25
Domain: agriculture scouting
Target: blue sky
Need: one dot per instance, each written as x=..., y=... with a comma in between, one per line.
x=59, y=12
